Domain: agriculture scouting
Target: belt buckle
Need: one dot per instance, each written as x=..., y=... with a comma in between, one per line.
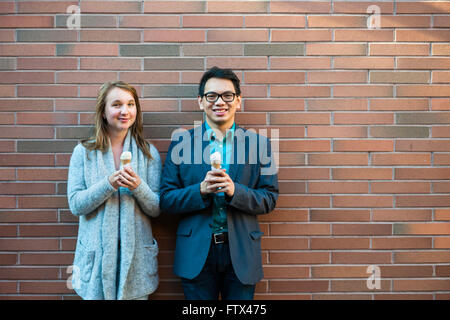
x=215, y=238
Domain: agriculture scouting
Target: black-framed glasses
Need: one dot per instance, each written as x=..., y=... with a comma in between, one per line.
x=227, y=96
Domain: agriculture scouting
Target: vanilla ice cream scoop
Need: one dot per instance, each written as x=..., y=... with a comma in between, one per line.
x=216, y=160
x=125, y=158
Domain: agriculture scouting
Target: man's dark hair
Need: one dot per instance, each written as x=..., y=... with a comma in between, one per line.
x=216, y=72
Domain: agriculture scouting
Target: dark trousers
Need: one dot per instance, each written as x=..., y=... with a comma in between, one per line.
x=217, y=277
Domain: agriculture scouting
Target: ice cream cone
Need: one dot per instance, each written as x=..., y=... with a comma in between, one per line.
x=216, y=161
x=125, y=158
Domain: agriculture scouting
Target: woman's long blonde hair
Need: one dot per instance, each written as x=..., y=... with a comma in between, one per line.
x=99, y=140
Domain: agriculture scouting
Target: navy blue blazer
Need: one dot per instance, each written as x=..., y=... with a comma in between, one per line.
x=255, y=177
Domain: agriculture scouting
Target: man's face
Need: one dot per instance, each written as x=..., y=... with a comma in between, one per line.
x=220, y=114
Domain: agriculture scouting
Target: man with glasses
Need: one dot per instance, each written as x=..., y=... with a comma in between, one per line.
x=218, y=245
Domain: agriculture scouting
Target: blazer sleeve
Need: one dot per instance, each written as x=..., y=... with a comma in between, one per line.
x=175, y=198
x=263, y=198
x=147, y=193
x=83, y=200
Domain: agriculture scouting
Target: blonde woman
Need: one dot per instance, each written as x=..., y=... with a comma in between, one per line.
x=116, y=254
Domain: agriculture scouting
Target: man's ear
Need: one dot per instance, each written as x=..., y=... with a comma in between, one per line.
x=199, y=98
x=239, y=101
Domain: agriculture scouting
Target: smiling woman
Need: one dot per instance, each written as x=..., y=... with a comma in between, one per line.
x=116, y=253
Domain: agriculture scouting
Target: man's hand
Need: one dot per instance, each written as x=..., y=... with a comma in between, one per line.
x=217, y=181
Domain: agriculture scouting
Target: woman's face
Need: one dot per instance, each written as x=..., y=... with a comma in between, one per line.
x=120, y=110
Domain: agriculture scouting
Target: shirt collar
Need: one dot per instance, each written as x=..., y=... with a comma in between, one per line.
x=211, y=134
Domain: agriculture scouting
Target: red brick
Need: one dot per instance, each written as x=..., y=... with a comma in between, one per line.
x=300, y=35
x=26, y=22
x=114, y=7
x=400, y=49
x=7, y=202
x=357, y=285
x=304, y=173
x=362, y=173
x=47, y=91
x=337, y=159
x=299, y=229
x=43, y=202
x=335, y=49
x=108, y=36
x=400, y=187
x=422, y=201
x=337, y=104
x=361, y=7
x=363, y=91
x=305, y=145
x=44, y=6
x=363, y=63
x=338, y=187
x=213, y=21
x=402, y=104
x=401, y=159
x=364, y=35
x=299, y=63
x=422, y=35
x=47, y=118
x=423, y=63
x=27, y=188
x=300, y=7
x=338, y=132
x=339, y=271
x=274, y=104
x=422, y=173
x=274, y=21
x=363, y=145
x=337, y=77
x=274, y=77
x=299, y=118
x=237, y=6
x=276, y=272
x=27, y=77
x=303, y=202
x=280, y=243
x=299, y=91
x=174, y=35
x=401, y=215
x=422, y=257
x=238, y=63
x=336, y=21
x=47, y=63
x=420, y=91
x=339, y=244
x=401, y=243
x=422, y=145
x=362, y=229
x=340, y=215
x=350, y=257
x=362, y=201
x=363, y=118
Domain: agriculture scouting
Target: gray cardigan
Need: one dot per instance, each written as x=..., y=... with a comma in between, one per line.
x=108, y=216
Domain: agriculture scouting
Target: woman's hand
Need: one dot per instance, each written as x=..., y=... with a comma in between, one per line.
x=126, y=178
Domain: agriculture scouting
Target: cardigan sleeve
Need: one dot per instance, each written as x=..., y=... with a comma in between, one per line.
x=83, y=200
x=147, y=193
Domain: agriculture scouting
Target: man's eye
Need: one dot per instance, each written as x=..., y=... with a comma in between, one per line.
x=211, y=96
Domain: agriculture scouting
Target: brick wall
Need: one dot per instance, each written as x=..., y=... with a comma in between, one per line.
x=363, y=116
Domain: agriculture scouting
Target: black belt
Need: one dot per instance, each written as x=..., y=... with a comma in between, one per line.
x=220, y=237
